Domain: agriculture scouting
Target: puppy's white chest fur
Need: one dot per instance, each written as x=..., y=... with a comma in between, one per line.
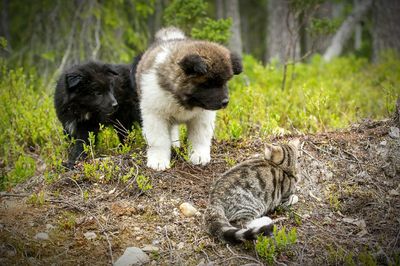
x=158, y=101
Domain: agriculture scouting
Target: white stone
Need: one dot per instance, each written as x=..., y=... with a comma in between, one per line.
x=394, y=132
x=49, y=227
x=90, y=235
x=180, y=245
x=132, y=256
x=42, y=236
x=188, y=210
x=150, y=248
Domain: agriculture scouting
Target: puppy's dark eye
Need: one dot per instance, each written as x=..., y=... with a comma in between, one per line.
x=97, y=93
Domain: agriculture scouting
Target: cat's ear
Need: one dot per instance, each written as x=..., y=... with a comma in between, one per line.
x=295, y=142
x=270, y=150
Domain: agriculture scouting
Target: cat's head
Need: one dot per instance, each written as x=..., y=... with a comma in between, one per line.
x=284, y=155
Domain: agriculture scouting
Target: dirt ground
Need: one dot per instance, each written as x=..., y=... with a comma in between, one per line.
x=348, y=209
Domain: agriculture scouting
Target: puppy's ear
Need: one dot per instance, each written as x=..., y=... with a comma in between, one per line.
x=72, y=80
x=236, y=62
x=111, y=70
x=193, y=64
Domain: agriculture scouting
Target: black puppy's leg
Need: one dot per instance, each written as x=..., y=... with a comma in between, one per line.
x=76, y=152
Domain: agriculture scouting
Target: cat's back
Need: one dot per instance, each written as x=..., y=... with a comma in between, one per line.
x=253, y=174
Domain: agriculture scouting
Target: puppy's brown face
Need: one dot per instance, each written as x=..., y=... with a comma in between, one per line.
x=204, y=83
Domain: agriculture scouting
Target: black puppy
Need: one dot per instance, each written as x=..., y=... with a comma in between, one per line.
x=93, y=93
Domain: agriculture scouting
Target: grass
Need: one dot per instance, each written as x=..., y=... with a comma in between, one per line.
x=319, y=96
x=269, y=248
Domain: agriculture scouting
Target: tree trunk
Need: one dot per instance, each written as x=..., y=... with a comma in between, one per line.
x=386, y=29
x=155, y=20
x=346, y=29
x=219, y=6
x=5, y=25
x=235, y=42
x=282, y=36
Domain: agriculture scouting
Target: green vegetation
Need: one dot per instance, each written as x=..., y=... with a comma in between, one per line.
x=29, y=131
x=191, y=17
x=144, y=183
x=268, y=248
x=319, y=97
x=341, y=256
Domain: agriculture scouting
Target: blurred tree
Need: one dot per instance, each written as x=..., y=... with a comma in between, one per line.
x=191, y=16
x=220, y=7
x=155, y=20
x=4, y=22
x=346, y=29
x=51, y=35
x=253, y=21
x=320, y=22
x=282, y=42
x=386, y=29
x=235, y=42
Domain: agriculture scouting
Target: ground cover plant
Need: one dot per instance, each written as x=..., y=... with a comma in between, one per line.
x=319, y=97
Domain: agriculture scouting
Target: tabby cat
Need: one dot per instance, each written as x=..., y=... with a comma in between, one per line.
x=250, y=190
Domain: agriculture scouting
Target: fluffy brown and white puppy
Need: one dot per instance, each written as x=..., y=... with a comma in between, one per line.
x=182, y=81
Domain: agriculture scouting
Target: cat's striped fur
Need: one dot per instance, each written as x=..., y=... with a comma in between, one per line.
x=249, y=190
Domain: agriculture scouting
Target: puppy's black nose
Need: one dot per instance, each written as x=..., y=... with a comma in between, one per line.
x=224, y=103
x=114, y=104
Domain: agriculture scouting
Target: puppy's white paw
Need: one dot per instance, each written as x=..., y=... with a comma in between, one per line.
x=200, y=157
x=158, y=164
x=158, y=159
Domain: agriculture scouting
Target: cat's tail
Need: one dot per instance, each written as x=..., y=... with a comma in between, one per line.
x=219, y=226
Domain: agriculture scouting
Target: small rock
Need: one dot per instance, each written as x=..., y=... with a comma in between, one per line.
x=180, y=245
x=150, y=248
x=394, y=132
x=188, y=210
x=202, y=262
x=42, y=236
x=362, y=233
x=394, y=192
x=383, y=143
x=132, y=256
x=359, y=223
x=49, y=227
x=155, y=242
x=90, y=235
x=175, y=212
